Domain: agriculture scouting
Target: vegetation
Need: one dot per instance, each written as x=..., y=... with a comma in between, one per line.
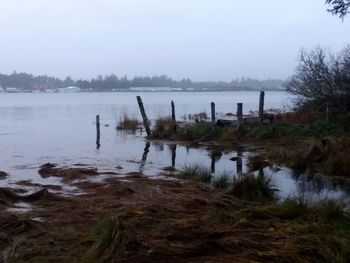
x=164, y=128
x=109, y=238
x=339, y=7
x=196, y=172
x=222, y=181
x=322, y=79
x=112, y=82
x=253, y=188
x=128, y=123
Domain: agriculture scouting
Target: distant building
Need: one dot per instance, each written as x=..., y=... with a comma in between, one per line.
x=12, y=90
x=72, y=89
x=153, y=89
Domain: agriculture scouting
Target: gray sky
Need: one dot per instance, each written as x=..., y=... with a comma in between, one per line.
x=198, y=39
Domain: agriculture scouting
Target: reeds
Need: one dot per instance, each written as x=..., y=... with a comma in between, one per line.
x=128, y=123
x=163, y=128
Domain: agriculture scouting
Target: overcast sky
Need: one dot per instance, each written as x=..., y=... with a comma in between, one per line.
x=197, y=39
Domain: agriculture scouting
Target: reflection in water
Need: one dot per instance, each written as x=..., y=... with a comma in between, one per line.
x=286, y=181
x=173, y=154
x=239, y=162
x=144, y=157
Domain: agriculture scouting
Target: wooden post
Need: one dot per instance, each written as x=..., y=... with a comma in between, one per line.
x=240, y=113
x=213, y=112
x=144, y=116
x=98, y=131
x=173, y=116
x=261, y=106
x=173, y=111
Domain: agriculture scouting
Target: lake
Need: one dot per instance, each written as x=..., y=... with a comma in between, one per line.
x=60, y=128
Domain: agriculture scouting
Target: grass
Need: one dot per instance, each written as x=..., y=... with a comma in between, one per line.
x=163, y=128
x=128, y=123
x=109, y=237
x=250, y=187
x=293, y=230
x=196, y=172
x=222, y=181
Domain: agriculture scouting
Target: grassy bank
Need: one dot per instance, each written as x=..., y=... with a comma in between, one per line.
x=144, y=220
x=304, y=143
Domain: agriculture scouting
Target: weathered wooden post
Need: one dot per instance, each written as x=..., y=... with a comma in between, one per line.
x=239, y=113
x=144, y=116
x=173, y=116
x=212, y=112
x=98, y=131
x=261, y=106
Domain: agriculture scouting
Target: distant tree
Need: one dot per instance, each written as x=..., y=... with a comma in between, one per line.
x=68, y=82
x=339, y=7
x=322, y=78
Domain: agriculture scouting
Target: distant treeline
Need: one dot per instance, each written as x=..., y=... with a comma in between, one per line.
x=29, y=82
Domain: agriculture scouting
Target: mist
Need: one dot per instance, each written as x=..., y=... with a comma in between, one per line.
x=201, y=40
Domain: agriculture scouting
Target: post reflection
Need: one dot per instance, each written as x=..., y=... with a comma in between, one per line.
x=144, y=157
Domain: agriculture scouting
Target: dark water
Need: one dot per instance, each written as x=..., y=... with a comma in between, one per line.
x=60, y=128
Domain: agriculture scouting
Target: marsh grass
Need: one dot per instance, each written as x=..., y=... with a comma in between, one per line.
x=293, y=230
x=196, y=172
x=128, y=123
x=250, y=187
x=222, y=181
x=109, y=238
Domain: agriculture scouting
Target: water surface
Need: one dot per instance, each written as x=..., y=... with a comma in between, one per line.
x=60, y=128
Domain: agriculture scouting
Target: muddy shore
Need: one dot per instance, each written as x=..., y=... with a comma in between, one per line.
x=158, y=220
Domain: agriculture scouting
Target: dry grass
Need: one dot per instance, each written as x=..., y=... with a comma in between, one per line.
x=128, y=123
x=164, y=128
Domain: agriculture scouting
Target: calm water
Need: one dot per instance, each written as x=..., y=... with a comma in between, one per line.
x=60, y=128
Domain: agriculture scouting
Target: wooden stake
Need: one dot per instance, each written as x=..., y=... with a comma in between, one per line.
x=144, y=116
x=261, y=106
x=173, y=116
x=213, y=112
x=98, y=131
x=240, y=113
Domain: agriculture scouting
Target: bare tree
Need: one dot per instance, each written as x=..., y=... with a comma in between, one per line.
x=322, y=78
x=339, y=7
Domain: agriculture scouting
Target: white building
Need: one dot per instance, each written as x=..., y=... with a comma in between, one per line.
x=12, y=90
x=153, y=89
x=71, y=89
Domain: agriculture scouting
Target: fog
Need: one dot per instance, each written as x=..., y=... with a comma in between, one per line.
x=197, y=39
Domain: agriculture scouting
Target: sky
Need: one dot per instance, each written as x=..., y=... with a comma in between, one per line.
x=198, y=39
